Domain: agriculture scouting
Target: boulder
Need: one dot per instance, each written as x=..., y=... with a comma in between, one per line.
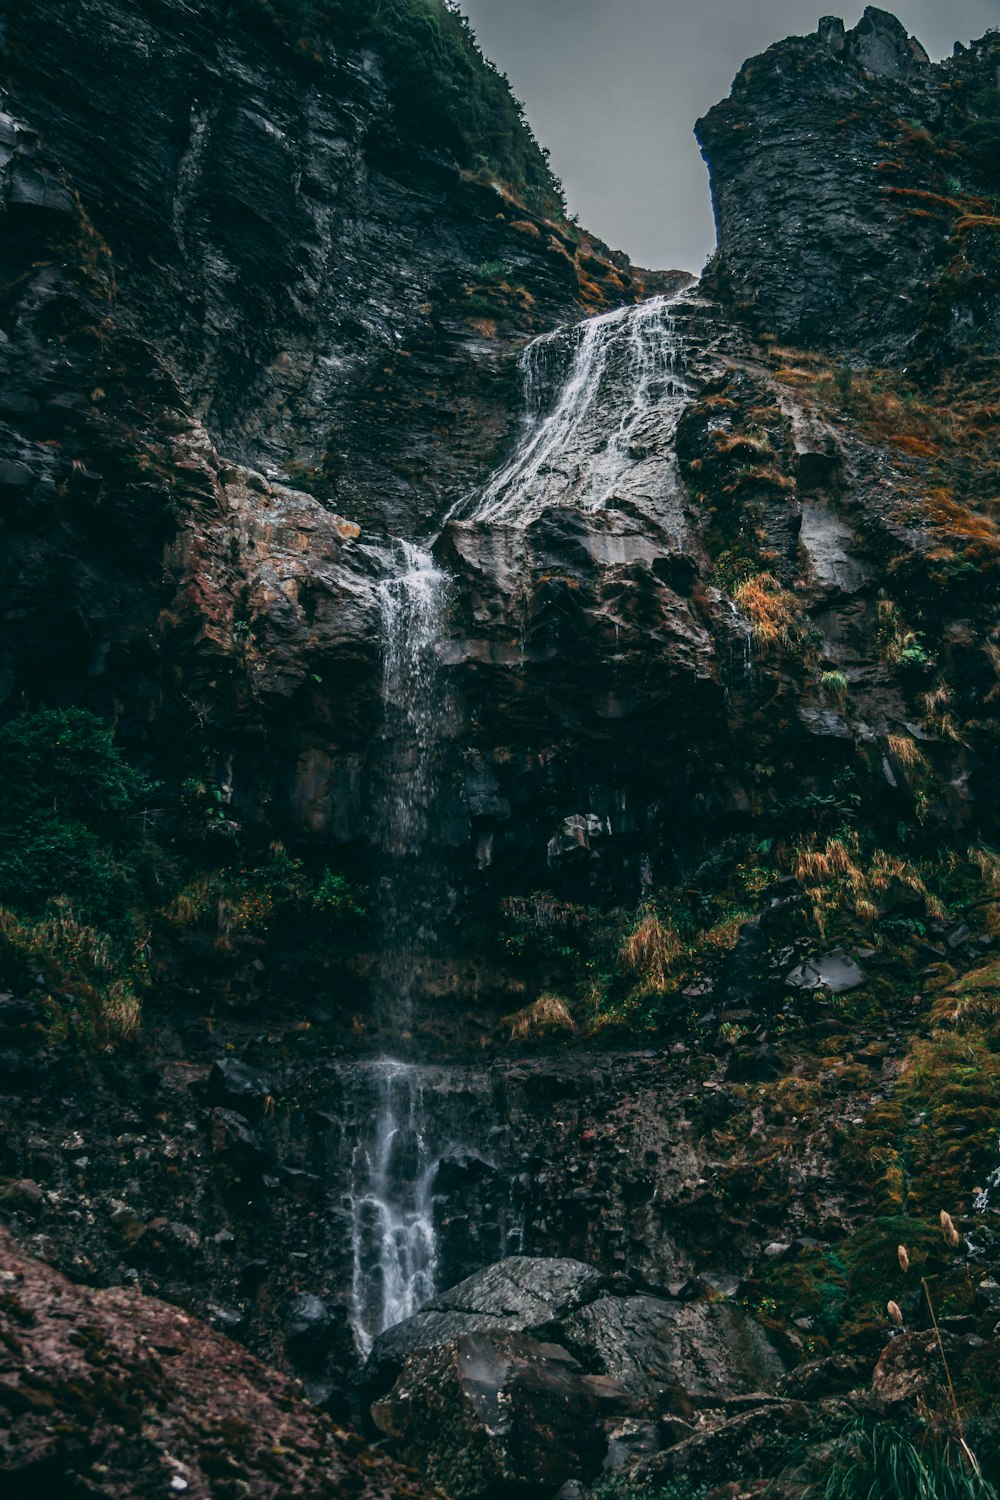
x=500, y=1413
x=529, y=1290
x=234, y=1142
x=308, y=1326
x=112, y=1393
x=234, y=1085
x=517, y=1380
x=835, y=971
x=515, y=1295
x=650, y=1345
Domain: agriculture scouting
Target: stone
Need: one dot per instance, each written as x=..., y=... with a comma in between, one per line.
x=308, y=1326
x=236, y=1086
x=825, y=1377
x=651, y=1346
x=234, y=1141
x=759, y=1063
x=112, y=1392
x=499, y=1413
x=517, y=1294
x=24, y=1196
x=495, y=1356
x=835, y=971
x=531, y=1291
x=909, y=1369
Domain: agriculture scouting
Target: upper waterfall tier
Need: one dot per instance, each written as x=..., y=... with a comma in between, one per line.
x=613, y=414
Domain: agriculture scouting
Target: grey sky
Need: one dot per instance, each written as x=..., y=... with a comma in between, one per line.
x=613, y=88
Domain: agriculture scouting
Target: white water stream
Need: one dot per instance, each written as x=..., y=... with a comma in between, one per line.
x=617, y=409
x=612, y=416
x=393, y=1241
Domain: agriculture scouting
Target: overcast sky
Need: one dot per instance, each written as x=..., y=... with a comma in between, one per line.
x=613, y=88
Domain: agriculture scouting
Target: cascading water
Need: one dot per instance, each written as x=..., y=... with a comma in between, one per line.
x=614, y=416
x=611, y=420
x=393, y=1241
x=413, y=608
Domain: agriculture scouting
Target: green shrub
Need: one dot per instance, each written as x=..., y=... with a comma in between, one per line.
x=877, y=1461
x=71, y=819
x=491, y=270
x=83, y=971
x=338, y=898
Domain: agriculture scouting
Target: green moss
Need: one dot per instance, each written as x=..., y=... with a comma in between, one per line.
x=843, y=1290
x=934, y=1140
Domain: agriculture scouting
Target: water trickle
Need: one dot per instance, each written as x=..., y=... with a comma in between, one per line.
x=393, y=1240
x=413, y=609
x=617, y=408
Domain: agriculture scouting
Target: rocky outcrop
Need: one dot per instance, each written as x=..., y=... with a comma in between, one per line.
x=115, y=1393
x=516, y=1381
x=852, y=212
x=707, y=774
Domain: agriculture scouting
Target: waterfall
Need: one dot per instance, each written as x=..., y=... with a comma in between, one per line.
x=393, y=1245
x=393, y=1241
x=411, y=891
x=608, y=416
x=613, y=416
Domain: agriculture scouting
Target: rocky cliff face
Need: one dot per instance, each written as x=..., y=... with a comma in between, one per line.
x=693, y=929
x=234, y=258
x=853, y=188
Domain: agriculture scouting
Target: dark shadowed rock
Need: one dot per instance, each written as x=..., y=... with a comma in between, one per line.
x=237, y=1087
x=308, y=1324
x=815, y=190
x=497, y=1413
x=233, y=1141
x=115, y=1394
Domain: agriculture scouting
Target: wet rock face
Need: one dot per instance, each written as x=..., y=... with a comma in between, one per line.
x=515, y=1381
x=115, y=1393
x=833, y=169
x=300, y=263
x=234, y=260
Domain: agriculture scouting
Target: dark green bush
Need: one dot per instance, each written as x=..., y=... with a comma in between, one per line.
x=877, y=1461
x=72, y=819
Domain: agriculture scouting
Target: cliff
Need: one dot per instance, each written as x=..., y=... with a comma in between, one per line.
x=854, y=185
x=426, y=634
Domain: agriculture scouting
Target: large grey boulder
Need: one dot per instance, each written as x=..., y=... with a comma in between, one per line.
x=511, y=1383
x=649, y=1345
x=517, y=1294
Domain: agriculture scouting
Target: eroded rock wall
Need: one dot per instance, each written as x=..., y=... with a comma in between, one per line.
x=852, y=213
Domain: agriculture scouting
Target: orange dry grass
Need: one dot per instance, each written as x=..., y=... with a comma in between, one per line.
x=959, y=521
x=651, y=949
x=905, y=749
x=742, y=444
x=919, y=447
x=835, y=876
x=547, y=1013
x=769, y=608
x=988, y=864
